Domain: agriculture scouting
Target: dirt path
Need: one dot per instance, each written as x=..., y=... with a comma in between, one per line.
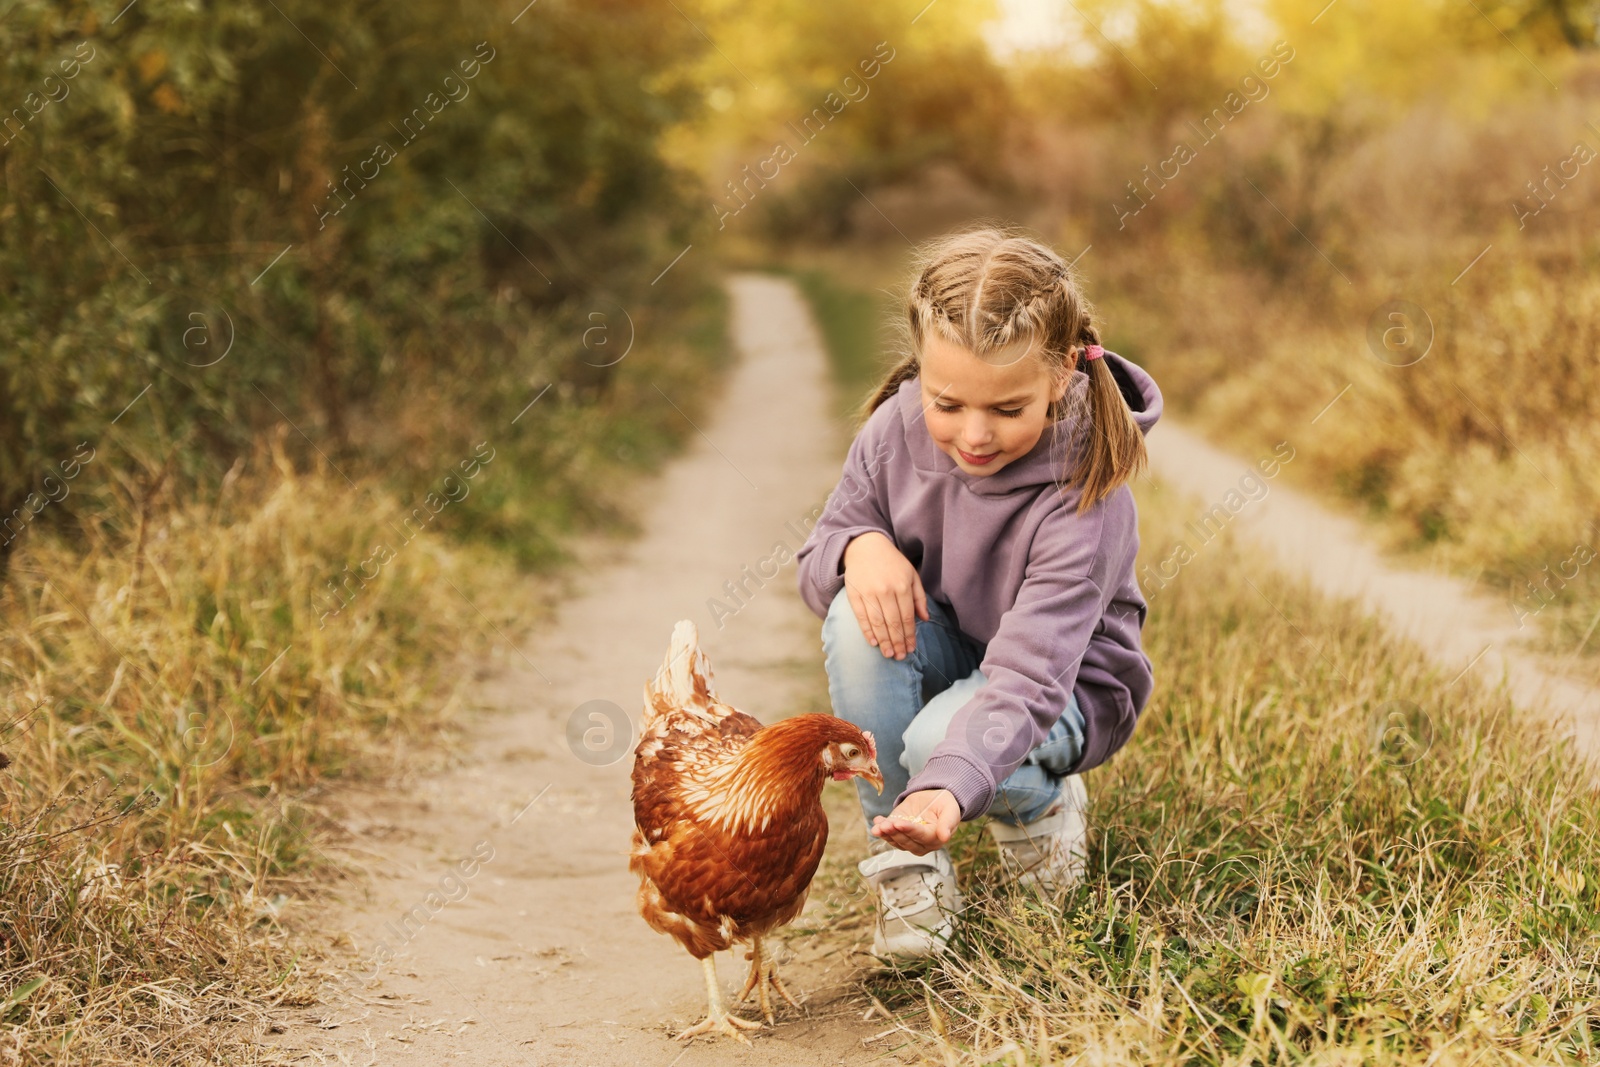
x=542, y=957
x=1461, y=629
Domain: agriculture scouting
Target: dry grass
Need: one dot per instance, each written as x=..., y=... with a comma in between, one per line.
x=180, y=700
x=184, y=707
x=1314, y=850
x=1477, y=457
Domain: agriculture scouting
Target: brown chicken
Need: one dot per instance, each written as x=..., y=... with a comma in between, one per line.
x=729, y=826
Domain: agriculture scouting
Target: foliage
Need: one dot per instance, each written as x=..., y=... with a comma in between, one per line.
x=216, y=212
x=911, y=84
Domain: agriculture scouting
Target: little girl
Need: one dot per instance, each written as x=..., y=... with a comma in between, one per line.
x=975, y=576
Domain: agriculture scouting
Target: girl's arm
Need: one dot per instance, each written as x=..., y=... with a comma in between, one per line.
x=1032, y=662
x=857, y=505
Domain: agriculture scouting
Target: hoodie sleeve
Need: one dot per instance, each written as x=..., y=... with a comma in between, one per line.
x=858, y=504
x=1032, y=663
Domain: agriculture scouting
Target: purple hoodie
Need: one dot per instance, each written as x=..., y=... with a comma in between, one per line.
x=1051, y=593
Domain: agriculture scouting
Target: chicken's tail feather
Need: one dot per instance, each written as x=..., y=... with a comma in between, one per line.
x=683, y=681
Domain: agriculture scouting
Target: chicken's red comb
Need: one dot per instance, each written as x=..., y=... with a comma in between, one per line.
x=872, y=744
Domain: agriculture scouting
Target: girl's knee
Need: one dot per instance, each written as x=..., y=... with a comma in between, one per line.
x=847, y=655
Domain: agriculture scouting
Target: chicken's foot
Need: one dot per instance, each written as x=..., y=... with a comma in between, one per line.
x=764, y=972
x=717, y=1019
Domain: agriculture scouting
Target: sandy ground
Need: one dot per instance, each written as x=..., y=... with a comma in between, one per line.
x=538, y=955
x=542, y=957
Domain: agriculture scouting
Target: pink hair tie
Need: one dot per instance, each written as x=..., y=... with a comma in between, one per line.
x=1093, y=352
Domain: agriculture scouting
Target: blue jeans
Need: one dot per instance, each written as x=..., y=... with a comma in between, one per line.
x=908, y=705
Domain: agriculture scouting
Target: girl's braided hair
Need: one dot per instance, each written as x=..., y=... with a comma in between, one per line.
x=988, y=287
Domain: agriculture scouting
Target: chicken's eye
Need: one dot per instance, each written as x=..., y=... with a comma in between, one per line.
x=848, y=751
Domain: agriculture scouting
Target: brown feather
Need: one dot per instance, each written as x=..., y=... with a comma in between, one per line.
x=729, y=825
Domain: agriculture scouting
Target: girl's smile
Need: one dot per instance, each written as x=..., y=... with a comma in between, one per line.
x=984, y=413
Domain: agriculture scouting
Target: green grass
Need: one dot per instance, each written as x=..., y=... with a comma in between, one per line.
x=1315, y=849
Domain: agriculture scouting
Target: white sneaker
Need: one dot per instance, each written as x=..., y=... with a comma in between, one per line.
x=1052, y=852
x=917, y=902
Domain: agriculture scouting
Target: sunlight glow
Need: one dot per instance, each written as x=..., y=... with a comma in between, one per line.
x=1063, y=26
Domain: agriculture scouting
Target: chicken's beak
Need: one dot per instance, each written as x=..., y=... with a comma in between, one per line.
x=873, y=775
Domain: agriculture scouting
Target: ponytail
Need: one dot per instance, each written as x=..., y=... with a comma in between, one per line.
x=903, y=371
x=1113, y=450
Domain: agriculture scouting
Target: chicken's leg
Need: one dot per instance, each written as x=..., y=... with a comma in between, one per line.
x=716, y=1018
x=763, y=971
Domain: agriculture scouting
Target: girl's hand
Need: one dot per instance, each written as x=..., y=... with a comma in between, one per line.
x=885, y=592
x=923, y=822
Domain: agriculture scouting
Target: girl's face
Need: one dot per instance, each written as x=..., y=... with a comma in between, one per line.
x=984, y=414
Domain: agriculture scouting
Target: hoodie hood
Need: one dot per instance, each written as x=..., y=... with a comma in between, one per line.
x=1045, y=463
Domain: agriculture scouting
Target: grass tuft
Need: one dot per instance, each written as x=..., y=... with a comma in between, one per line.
x=1314, y=850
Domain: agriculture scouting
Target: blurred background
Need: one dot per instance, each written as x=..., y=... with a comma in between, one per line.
x=280, y=281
